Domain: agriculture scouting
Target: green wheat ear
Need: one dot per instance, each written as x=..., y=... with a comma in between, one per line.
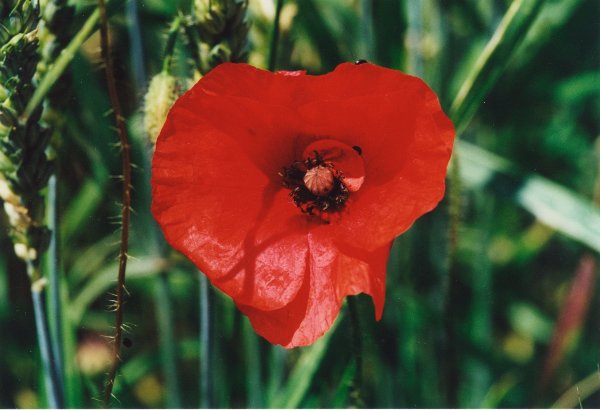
x=24, y=165
x=54, y=34
x=219, y=29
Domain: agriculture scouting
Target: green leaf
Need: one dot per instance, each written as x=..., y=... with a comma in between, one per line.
x=552, y=204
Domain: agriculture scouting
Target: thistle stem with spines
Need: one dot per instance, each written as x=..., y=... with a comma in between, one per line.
x=126, y=198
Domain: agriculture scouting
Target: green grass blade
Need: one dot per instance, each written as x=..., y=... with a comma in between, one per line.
x=52, y=379
x=553, y=16
x=104, y=279
x=553, y=204
x=302, y=374
x=492, y=61
x=52, y=264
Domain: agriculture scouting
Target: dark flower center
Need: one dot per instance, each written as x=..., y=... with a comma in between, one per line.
x=321, y=183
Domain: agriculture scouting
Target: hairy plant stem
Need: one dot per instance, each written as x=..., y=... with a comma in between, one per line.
x=451, y=376
x=126, y=198
x=275, y=37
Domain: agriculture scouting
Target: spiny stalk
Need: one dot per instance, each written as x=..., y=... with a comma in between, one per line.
x=126, y=197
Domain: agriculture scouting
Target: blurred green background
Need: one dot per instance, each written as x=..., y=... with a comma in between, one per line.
x=506, y=318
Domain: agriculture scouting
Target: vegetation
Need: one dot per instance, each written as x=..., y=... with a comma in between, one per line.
x=491, y=298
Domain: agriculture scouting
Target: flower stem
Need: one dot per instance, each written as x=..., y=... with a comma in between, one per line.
x=254, y=388
x=126, y=197
x=356, y=399
x=168, y=348
x=51, y=377
x=206, y=401
x=450, y=368
x=275, y=37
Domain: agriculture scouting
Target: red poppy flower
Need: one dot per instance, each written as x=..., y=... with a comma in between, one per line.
x=287, y=189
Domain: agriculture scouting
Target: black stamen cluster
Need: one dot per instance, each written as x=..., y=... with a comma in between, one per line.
x=309, y=203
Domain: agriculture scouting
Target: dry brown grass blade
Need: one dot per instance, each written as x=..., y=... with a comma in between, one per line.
x=572, y=315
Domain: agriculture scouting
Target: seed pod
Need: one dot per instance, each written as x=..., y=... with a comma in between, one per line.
x=319, y=180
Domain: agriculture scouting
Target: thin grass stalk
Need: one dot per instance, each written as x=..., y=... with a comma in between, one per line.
x=168, y=348
x=51, y=378
x=60, y=65
x=275, y=37
x=135, y=40
x=55, y=305
x=126, y=198
x=206, y=399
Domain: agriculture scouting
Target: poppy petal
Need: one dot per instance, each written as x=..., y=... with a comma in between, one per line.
x=209, y=212
x=331, y=275
x=219, y=196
